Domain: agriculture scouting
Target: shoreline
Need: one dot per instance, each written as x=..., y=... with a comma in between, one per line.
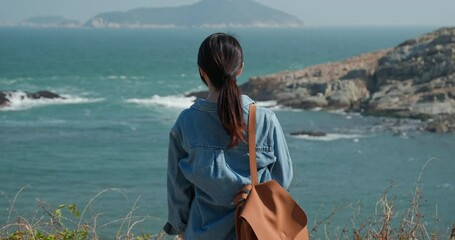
x=414, y=80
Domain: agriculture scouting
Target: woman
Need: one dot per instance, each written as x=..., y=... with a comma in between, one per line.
x=208, y=154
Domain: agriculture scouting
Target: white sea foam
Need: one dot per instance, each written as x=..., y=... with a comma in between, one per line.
x=273, y=105
x=18, y=100
x=331, y=137
x=447, y=186
x=268, y=104
x=5, y=81
x=166, y=101
x=184, y=102
x=317, y=109
x=338, y=111
x=122, y=77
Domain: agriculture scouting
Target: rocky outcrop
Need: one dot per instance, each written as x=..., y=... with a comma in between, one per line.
x=339, y=85
x=441, y=123
x=416, y=79
x=4, y=101
x=5, y=96
x=309, y=133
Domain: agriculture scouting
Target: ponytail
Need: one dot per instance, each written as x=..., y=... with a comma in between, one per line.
x=230, y=110
x=221, y=58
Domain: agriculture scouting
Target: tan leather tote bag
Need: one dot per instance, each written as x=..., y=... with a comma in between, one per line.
x=266, y=211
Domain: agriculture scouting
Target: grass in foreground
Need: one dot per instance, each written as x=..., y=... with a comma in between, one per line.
x=68, y=222
x=388, y=222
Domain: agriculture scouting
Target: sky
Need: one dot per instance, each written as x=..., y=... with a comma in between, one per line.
x=311, y=12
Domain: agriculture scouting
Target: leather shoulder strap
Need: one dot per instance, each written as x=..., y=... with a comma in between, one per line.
x=252, y=144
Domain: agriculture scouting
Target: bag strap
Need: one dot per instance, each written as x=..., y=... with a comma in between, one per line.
x=252, y=144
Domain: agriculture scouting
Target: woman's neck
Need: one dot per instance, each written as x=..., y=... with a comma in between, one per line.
x=213, y=96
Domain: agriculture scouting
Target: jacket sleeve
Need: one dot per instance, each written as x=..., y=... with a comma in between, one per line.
x=180, y=191
x=282, y=170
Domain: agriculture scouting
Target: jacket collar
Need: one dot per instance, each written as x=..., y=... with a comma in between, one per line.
x=204, y=105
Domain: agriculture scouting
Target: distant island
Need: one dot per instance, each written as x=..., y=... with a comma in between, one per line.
x=4, y=23
x=50, y=22
x=206, y=13
x=203, y=14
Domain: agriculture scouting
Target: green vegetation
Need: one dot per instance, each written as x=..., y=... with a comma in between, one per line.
x=65, y=222
x=51, y=229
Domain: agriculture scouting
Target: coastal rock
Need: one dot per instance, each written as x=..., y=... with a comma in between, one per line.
x=44, y=94
x=340, y=85
x=309, y=133
x=4, y=101
x=416, y=79
x=442, y=123
x=5, y=96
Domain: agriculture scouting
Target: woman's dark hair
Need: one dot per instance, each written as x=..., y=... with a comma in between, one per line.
x=221, y=58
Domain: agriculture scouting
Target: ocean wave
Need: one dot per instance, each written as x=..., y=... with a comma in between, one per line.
x=166, y=101
x=446, y=186
x=185, y=102
x=18, y=100
x=122, y=77
x=268, y=104
x=331, y=137
x=5, y=81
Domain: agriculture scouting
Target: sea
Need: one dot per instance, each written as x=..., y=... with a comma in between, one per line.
x=104, y=146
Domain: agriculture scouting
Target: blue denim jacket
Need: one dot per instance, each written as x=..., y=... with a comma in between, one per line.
x=204, y=175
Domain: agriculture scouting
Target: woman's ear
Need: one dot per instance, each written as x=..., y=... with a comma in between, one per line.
x=241, y=69
x=203, y=74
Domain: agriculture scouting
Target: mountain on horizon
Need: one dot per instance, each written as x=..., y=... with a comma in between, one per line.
x=50, y=22
x=206, y=13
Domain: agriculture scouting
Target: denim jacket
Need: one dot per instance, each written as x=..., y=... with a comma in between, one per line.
x=204, y=175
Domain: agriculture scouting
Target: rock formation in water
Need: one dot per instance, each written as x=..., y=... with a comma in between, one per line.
x=4, y=101
x=416, y=79
x=5, y=96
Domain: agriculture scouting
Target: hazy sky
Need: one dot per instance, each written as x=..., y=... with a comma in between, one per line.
x=312, y=12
